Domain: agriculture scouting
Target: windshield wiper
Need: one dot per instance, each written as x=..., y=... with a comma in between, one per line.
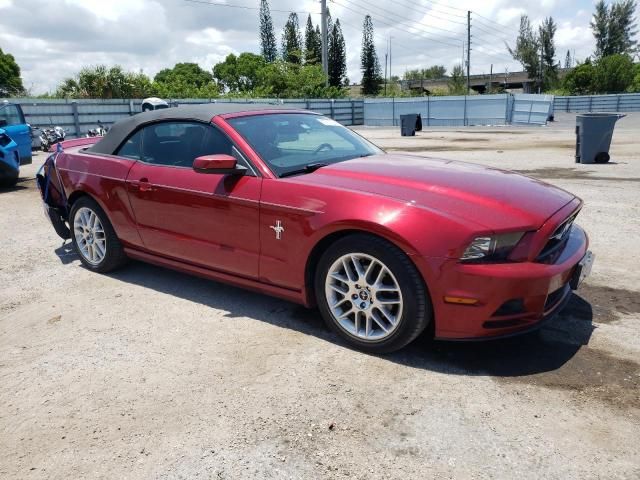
x=310, y=167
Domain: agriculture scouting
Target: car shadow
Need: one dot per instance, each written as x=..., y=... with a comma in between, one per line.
x=23, y=183
x=13, y=188
x=542, y=351
x=66, y=253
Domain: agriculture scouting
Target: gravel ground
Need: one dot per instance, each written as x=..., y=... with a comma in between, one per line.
x=149, y=373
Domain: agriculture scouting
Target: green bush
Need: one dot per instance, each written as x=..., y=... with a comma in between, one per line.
x=611, y=74
x=244, y=76
x=635, y=84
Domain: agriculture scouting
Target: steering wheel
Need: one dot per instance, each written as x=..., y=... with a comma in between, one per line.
x=323, y=147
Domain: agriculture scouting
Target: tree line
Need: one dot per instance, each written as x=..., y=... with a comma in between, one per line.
x=293, y=68
x=610, y=69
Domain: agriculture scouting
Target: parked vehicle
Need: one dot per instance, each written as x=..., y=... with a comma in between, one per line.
x=13, y=122
x=153, y=103
x=50, y=136
x=99, y=131
x=291, y=203
x=36, y=133
x=9, y=160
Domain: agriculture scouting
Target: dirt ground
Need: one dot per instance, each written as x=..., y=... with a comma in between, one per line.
x=149, y=373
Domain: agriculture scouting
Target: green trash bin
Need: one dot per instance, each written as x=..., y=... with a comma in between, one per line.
x=593, y=136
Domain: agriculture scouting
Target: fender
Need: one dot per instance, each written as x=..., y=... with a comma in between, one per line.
x=105, y=182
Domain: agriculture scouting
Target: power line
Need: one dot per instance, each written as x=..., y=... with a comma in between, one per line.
x=394, y=25
x=423, y=25
x=501, y=58
x=244, y=7
x=433, y=13
x=432, y=10
x=481, y=50
x=493, y=30
x=499, y=24
x=384, y=38
x=497, y=34
x=484, y=42
x=437, y=4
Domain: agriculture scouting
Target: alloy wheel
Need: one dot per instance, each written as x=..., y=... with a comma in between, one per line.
x=364, y=297
x=89, y=234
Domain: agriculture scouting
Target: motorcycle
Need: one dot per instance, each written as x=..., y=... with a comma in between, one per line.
x=100, y=131
x=50, y=136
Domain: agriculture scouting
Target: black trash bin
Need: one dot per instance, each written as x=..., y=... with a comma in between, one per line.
x=408, y=124
x=419, y=123
x=593, y=136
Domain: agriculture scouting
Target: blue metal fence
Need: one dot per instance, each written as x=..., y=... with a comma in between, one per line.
x=461, y=110
x=79, y=116
x=530, y=109
x=624, y=102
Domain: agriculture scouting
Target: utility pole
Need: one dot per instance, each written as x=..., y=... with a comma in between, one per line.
x=386, y=59
x=325, y=52
x=491, y=79
x=468, y=50
x=541, y=70
x=390, y=74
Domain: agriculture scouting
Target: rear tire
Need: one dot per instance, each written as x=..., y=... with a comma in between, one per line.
x=93, y=237
x=371, y=294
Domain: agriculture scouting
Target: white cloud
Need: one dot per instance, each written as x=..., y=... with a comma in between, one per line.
x=53, y=43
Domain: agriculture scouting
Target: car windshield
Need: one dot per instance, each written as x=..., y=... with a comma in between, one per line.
x=300, y=142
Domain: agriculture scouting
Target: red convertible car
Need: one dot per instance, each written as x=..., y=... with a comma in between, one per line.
x=292, y=204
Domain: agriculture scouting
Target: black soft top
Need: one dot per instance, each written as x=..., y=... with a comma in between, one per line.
x=202, y=112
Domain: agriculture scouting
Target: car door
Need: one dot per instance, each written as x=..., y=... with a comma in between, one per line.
x=16, y=127
x=210, y=220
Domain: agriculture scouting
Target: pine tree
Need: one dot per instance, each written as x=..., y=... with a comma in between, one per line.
x=546, y=34
x=614, y=28
x=526, y=50
x=622, y=27
x=291, y=40
x=457, y=84
x=311, y=44
x=268, y=46
x=318, y=53
x=600, y=29
x=568, y=63
x=371, y=79
x=337, y=57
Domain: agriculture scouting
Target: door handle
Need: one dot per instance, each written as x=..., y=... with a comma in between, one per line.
x=143, y=185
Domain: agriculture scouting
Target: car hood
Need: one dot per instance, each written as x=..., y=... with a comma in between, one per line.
x=492, y=198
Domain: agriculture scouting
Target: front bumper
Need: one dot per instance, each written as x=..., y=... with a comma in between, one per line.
x=511, y=297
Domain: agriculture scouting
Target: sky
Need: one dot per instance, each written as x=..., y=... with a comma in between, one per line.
x=53, y=40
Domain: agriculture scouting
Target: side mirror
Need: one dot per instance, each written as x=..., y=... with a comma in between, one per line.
x=221, y=164
x=3, y=123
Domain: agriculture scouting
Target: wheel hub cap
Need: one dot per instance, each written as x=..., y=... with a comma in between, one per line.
x=89, y=235
x=363, y=296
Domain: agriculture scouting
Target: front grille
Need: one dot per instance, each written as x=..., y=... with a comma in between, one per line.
x=513, y=322
x=557, y=241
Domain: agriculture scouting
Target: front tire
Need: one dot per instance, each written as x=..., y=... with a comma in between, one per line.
x=371, y=294
x=93, y=237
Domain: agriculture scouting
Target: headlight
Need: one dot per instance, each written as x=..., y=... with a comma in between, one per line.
x=493, y=248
